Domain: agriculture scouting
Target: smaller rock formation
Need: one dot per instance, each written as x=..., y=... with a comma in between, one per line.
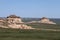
x=46, y=20
x=43, y=20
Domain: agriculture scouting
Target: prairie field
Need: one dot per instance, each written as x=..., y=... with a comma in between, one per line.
x=19, y=34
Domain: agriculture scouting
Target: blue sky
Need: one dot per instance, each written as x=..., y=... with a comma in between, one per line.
x=30, y=8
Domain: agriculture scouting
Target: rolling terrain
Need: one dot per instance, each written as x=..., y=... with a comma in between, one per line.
x=17, y=34
x=40, y=34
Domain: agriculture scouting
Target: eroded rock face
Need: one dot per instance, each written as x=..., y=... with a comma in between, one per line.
x=16, y=22
x=14, y=19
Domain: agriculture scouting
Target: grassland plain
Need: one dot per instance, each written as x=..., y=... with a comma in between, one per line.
x=45, y=26
x=19, y=34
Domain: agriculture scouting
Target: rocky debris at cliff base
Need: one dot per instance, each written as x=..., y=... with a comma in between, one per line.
x=15, y=26
x=20, y=26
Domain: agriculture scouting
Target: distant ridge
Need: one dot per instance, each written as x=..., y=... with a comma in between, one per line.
x=57, y=20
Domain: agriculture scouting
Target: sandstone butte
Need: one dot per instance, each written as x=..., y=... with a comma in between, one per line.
x=43, y=20
x=13, y=21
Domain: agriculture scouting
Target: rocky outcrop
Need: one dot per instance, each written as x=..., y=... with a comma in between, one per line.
x=14, y=21
x=46, y=20
x=43, y=20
